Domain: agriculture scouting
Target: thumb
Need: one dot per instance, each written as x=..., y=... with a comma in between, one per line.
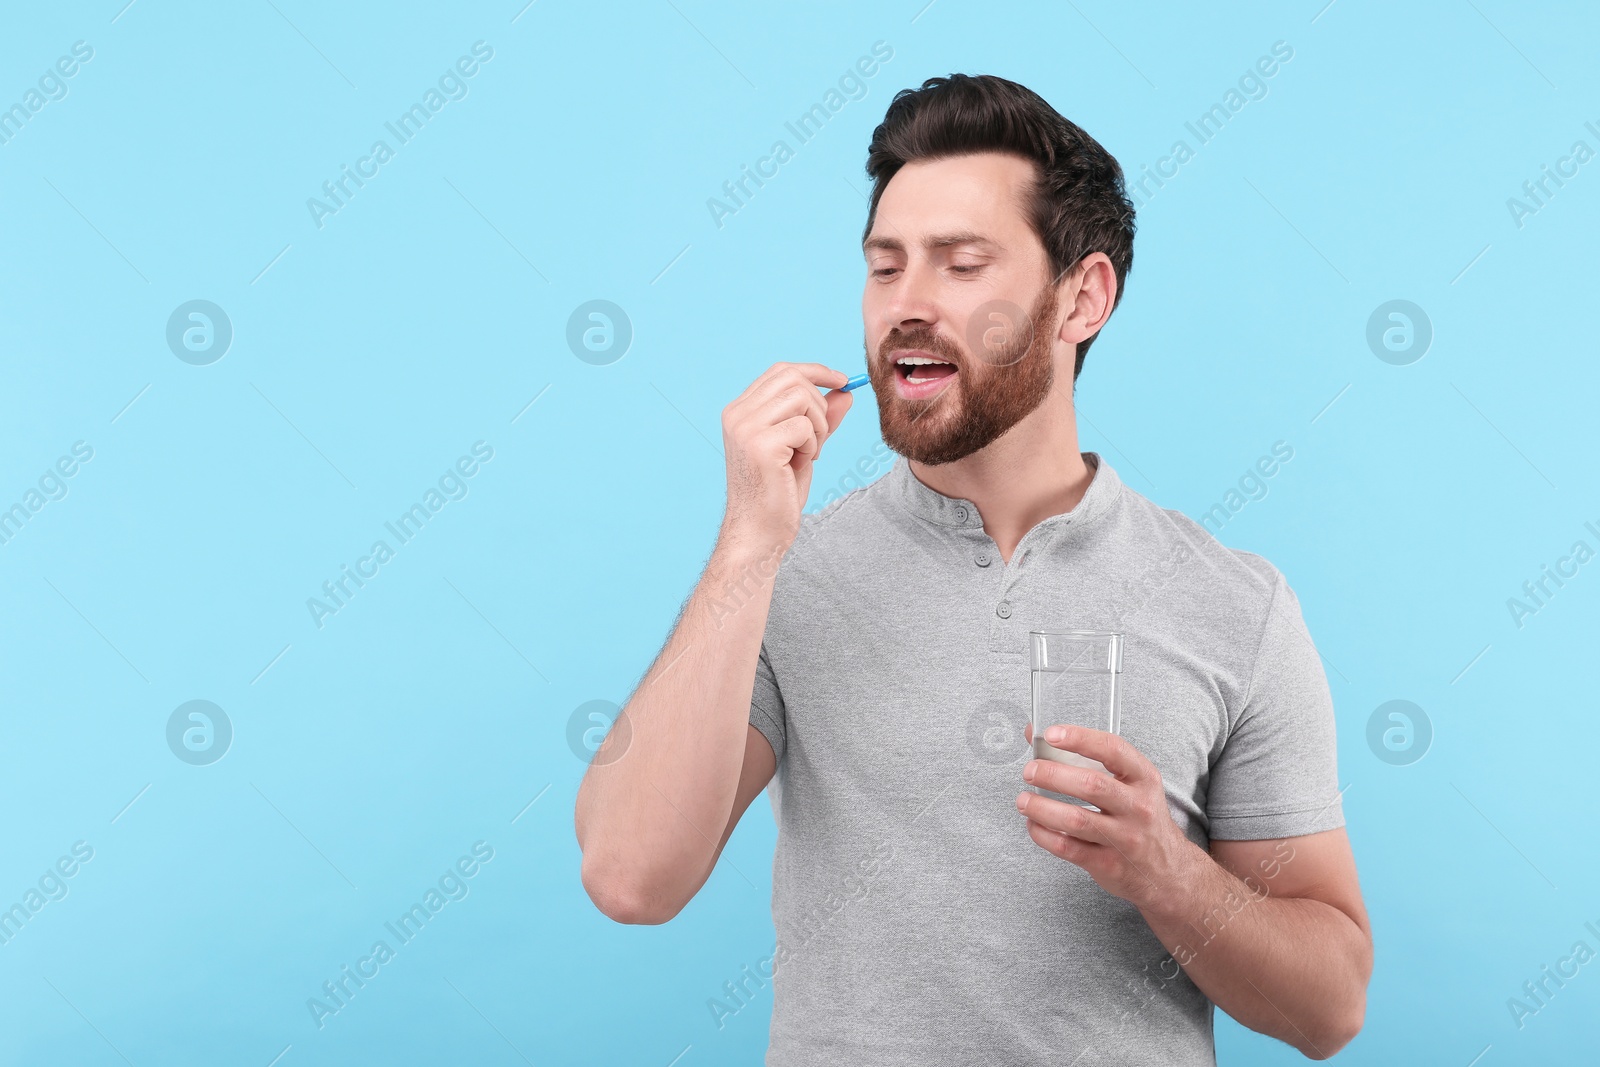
x=837, y=403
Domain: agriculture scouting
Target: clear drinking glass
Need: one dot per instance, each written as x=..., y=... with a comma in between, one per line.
x=1077, y=681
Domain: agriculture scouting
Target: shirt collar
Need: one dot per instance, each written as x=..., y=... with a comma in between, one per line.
x=932, y=505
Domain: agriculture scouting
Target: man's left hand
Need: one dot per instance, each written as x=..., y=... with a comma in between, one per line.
x=1131, y=846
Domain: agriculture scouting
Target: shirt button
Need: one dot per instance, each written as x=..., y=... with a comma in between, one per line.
x=961, y=512
x=983, y=559
x=1004, y=610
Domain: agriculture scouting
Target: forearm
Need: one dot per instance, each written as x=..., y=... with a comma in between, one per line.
x=1292, y=968
x=657, y=795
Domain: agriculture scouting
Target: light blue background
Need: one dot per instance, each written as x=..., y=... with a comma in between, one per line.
x=426, y=315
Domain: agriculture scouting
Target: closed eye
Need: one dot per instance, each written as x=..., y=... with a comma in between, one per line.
x=962, y=269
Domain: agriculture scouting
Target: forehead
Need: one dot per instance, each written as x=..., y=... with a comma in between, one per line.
x=930, y=202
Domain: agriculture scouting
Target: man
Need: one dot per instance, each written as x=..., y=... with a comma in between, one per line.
x=930, y=907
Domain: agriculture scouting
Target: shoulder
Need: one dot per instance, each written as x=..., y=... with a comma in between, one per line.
x=1185, y=554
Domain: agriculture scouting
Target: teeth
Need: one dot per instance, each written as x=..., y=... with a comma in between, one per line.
x=918, y=361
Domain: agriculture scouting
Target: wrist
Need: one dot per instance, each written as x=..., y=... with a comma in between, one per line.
x=1182, y=892
x=742, y=562
x=749, y=549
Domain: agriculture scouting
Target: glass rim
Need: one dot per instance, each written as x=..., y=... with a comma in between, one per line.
x=1108, y=641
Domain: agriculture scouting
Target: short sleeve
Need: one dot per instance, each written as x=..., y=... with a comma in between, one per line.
x=1277, y=775
x=766, y=705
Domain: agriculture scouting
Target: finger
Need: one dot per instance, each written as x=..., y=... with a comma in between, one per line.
x=820, y=375
x=758, y=384
x=800, y=436
x=1073, y=850
x=1118, y=756
x=837, y=404
x=791, y=381
x=1065, y=818
x=787, y=395
x=815, y=373
x=1085, y=783
x=812, y=409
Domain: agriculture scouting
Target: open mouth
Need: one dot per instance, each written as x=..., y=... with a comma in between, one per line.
x=918, y=374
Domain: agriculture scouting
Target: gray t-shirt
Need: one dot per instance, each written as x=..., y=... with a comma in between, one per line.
x=917, y=922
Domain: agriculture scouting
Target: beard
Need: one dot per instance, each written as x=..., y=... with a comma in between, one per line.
x=1006, y=375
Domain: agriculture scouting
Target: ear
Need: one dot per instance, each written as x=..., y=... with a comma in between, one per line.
x=1089, y=291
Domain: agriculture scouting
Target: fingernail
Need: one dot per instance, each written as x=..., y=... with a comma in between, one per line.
x=1056, y=733
x=1027, y=772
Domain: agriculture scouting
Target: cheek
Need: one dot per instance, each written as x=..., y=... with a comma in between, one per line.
x=872, y=314
x=981, y=336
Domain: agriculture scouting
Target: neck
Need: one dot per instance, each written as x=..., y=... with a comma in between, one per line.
x=1033, y=471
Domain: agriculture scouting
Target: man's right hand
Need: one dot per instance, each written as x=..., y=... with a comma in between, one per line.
x=771, y=435
x=649, y=822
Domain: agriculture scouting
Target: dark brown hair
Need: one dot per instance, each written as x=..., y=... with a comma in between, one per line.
x=1079, y=203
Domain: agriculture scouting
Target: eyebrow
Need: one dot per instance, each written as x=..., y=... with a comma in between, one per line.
x=936, y=240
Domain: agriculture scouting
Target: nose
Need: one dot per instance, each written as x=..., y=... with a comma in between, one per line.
x=912, y=295
x=911, y=305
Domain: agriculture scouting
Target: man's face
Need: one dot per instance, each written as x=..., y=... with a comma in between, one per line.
x=955, y=273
